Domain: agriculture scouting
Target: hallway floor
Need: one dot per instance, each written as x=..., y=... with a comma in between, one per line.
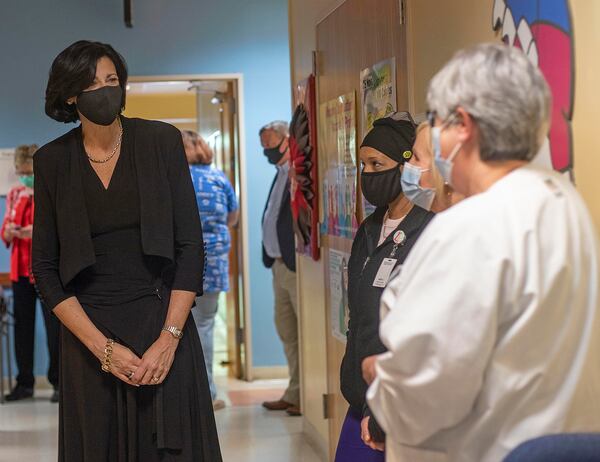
x=247, y=432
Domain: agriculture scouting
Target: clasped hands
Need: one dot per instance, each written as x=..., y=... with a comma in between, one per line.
x=151, y=369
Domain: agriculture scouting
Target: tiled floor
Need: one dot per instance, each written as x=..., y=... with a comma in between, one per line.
x=247, y=432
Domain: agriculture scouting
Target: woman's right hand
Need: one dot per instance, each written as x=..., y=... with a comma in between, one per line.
x=123, y=362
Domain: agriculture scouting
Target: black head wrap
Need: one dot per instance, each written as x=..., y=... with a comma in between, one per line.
x=393, y=137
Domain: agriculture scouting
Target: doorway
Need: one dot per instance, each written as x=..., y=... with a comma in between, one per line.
x=211, y=106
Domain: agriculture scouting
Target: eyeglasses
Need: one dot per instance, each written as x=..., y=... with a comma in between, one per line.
x=452, y=118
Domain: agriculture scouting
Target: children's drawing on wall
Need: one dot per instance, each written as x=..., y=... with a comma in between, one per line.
x=338, y=149
x=543, y=30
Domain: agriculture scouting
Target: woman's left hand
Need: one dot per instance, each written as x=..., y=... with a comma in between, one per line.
x=368, y=368
x=365, y=435
x=156, y=361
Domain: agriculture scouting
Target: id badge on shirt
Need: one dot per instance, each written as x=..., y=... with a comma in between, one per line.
x=385, y=270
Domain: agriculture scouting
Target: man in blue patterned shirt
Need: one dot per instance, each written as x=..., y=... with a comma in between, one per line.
x=218, y=208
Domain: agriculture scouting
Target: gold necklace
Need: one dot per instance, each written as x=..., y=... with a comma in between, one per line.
x=114, y=151
x=406, y=206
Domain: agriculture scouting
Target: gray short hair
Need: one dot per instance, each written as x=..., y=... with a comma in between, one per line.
x=503, y=91
x=278, y=126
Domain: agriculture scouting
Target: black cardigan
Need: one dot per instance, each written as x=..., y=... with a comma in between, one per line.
x=285, y=231
x=363, y=299
x=170, y=222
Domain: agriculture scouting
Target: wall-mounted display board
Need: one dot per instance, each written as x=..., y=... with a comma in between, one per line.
x=338, y=165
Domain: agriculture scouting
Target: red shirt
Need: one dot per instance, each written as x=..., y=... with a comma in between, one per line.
x=19, y=210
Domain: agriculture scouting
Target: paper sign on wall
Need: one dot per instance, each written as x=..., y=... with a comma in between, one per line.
x=338, y=293
x=8, y=178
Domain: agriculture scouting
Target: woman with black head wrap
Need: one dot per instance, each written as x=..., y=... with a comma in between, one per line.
x=380, y=247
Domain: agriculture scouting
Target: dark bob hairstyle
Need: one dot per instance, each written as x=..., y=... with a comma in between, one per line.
x=74, y=70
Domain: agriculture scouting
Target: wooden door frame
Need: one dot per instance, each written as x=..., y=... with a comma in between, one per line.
x=238, y=78
x=346, y=78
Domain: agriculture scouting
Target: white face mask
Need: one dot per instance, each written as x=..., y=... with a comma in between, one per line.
x=443, y=165
x=412, y=189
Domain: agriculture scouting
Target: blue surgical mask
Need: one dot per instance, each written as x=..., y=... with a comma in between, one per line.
x=411, y=186
x=443, y=165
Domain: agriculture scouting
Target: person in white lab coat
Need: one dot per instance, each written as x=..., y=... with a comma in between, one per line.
x=491, y=327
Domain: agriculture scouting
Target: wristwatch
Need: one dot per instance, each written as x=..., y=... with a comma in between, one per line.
x=174, y=331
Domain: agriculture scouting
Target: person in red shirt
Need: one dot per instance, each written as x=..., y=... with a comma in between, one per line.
x=16, y=233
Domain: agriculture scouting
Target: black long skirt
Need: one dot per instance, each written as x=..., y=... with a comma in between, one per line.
x=102, y=419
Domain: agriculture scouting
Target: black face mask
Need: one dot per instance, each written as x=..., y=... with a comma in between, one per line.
x=381, y=188
x=273, y=154
x=101, y=106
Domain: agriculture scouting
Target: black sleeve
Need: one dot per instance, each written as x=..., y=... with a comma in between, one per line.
x=189, y=244
x=45, y=254
x=376, y=432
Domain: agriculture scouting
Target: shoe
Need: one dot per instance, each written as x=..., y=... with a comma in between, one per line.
x=279, y=405
x=293, y=411
x=218, y=404
x=55, y=396
x=19, y=392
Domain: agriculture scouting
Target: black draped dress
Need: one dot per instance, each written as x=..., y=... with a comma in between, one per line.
x=102, y=419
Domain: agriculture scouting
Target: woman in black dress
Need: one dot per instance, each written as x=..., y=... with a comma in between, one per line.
x=118, y=256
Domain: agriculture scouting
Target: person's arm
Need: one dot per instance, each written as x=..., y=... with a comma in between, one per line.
x=7, y=231
x=45, y=258
x=439, y=340
x=232, y=204
x=233, y=218
x=189, y=262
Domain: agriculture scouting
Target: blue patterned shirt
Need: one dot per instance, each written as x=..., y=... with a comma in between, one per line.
x=216, y=199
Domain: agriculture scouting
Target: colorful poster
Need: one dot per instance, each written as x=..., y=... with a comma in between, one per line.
x=338, y=164
x=378, y=92
x=338, y=293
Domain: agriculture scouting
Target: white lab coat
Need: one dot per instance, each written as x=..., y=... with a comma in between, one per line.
x=490, y=326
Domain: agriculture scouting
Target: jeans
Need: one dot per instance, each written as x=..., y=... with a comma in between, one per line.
x=204, y=314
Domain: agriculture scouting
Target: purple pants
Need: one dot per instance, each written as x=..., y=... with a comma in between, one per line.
x=351, y=447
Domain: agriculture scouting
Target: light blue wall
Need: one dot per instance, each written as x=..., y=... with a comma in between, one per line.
x=169, y=37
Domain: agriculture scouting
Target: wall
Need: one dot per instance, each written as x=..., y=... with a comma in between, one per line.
x=586, y=17
x=437, y=29
x=164, y=106
x=175, y=37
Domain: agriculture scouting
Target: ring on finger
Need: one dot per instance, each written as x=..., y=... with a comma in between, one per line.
x=130, y=375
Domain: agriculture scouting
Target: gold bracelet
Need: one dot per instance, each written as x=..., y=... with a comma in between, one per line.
x=108, y=349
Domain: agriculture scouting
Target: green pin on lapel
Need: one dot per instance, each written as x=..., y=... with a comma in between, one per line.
x=407, y=155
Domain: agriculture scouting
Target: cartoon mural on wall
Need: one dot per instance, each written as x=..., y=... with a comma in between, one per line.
x=543, y=30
